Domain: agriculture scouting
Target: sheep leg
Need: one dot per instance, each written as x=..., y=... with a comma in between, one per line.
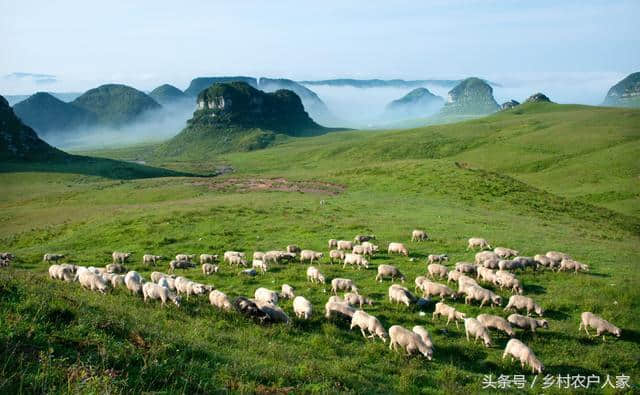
x=585, y=329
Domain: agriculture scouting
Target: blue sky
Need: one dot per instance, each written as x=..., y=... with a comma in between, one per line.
x=84, y=44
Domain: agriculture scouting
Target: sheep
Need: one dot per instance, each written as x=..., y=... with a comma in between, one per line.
x=389, y=271
x=286, y=256
x=336, y=255
x=275, y=313
x=369, y=248
x=237, y=260
x=491, y=263
x=250, y=309
x=424, y=335
x=287, y=292
x=354, y=299
x=59, y=272
x=519, y=350
x=419, y=235
x=121, y=257
x=266, y=295
x=344, y=245
x=602, y=326
x=208, y=258
x=188, y=287
x=449, y=312
x=314, y=275
x=357, y=260
x=185, y=257
x=519, y=302
x=133, y=281
x=336, y=299
x=496, y=322
x=155, y=291
x=465, y=267
x=510, y=283
x=343, y=284
x=433, y=258
x=509, y=264
x=505, y=253
x=208, y=269
x=482, y=256
x=333, y=243
x=464, y=282
x=7, y=256
x=117, y=280
x=477, y=242
x=399, y=294
x=453, y=275
x=292, y=248
x=272, y=256
x=148, y=259
x=93, y=281
x=475, y=328
x=52, y=257
x=430, y=289
x=173, y=265
x=397, y=248
x=220, y=300
x=486, y=275
x=302, y=307
x=229, y=254
x=544, y=261
x=115, y=268
x=557, y=257
x=359, y=250
x=332, y=308
x=568, y=264
x=362, y=238
x=408, y=340
x=475, y=292
x=259, y=256
x=370, y=324
x=524, y=322
x=308, y=255
x=260, y=265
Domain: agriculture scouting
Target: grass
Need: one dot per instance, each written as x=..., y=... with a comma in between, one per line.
x=56, y=337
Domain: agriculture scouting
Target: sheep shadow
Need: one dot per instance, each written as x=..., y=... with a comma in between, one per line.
x=556, y=315
x=469, y=358
x=571, y=370
x=630, y=335
x=534, y=289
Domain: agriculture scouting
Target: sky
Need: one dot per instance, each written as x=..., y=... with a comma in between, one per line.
x=77, y=45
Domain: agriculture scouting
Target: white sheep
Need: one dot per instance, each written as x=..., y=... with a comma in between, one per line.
x=399, y=294
x=475, y=328
x=220, y=300
x=208, y=258
x=92, y=281
x=389, y=271
x=397, y=248
x=156, y=276
x=120, y=257
x=482, y=256
x=464, y=282
x=116, y=268
x=59, y=272
x=309, y=255
x=155, y=291
x=336, y=255
x=149, y=259
x=369, y=248
x=362, y=238
x=333, y=308
x=451, y=313
x=435, y=258
x=519, y=302
x=237, y=260
x=52, y=257
x=302, y=307
x=557, y=257
x=355, y=299
x=314, y=275
x=519, y=350
x=465, y=267
x=292, y=248
x=185, y=257
x=477, y=242
x=436, y=269
x=475, y=292
x=229, y=254
x=496, y=322
x=369, y=324
x=424, y=335
x=117, y=280
x=343, y=284
x=454, y=276
x=344, y=245
x=209, y=268
x=602, y=326
x=544, y=261
x=419, y=235
x=510, y=283
x=275, y=313
x=259, y=256
x=419, y=281
x=266, y=295
x=408, y=340
x=133, y=280
x=356, y=260
x=569, y=264
x=260, y=265
x=505, y=253
x=333, y=243
x=435, y=289
x=287, y=292
x=524, y=322
x=487, y=275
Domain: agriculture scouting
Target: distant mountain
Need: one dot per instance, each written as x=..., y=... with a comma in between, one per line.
x=167, y=94
x=116, y=105
x=377, y=83
x=64, y=96
x=199, y=84
x=236, y=116
x=312, y=103
x=470, y=97
x=625, y=93
x=418, y=103
x=509, y=104
x=538, y=98
x=45, y=113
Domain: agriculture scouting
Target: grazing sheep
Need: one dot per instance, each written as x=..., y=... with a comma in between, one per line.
x=148, y=259
x=357, y=260
x=602, y=326
x=344, y=245
x=362, y=238
x=336, y=299
x=120, y=257
x=302, y=307
x=486, y=275
x=332, y=309
x=259, y=265
x=453, y=275
x=185, y=257
x=336, y=255
x=259, y=256
x=156, y=276
x=370, y=324
x=229, y=254
x=292, y=248
x=544, y=261
x=359, y=250
x=397, y=248
x=116, y=268
x=133, y=280
x=491, y=263
x=220, y=300
x=408, y=340
x=357, y=300
x=557, y=257
x=314, y=275
x=208, y=269
x=436, y=269
x=155, y=291
x=287, y=292
x=389, y=271
x=188, y=287
x=117, y=280
x=475, y=328
x=52, y=257
x=464, y=282
x=465, y=267
x=519, y=302
x=266, y=295
x=496, y=322
x=59, y=272
x=419, y=235
x=173, y=265
x=419, y=281
x=208, y=258
x=369, y=248
x=249, y=272
x=308, y=255
x=568, y=264
x=477, y=242
x=510, y=283
x=424, y=335
x=399, y=294
x=343, y=284
x=449, y=312
x=237, y=260
x=333, y=243
x=519, y=350
x=93, y=281
x=525, y=262
x=524, y=322
x=505, y=253
x=273, y=256
x=275, y=313
x=250, y=309
x=509, y=264
x=434, y=289
x=433, y=258
x=485, y=256
x=475, y=292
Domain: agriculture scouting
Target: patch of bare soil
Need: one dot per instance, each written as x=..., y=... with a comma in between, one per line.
x=273, y=184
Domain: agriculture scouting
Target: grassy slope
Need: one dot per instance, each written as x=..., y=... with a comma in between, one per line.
x=395, y=181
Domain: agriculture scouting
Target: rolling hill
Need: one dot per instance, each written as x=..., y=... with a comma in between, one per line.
x=199, y=84
x=625, y=93
x=418, y=103
x=167, y=94
x=46, y=113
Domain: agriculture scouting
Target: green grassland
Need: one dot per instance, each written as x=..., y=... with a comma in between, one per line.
x=537, y=178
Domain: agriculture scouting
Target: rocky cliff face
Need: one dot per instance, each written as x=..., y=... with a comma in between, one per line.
x=199, y=84
x=418, y=103
x=538, y=98
x=509, y=105
x=625, y=93
x=472, y=96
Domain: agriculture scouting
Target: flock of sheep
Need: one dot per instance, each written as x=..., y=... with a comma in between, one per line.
x=495, y=266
